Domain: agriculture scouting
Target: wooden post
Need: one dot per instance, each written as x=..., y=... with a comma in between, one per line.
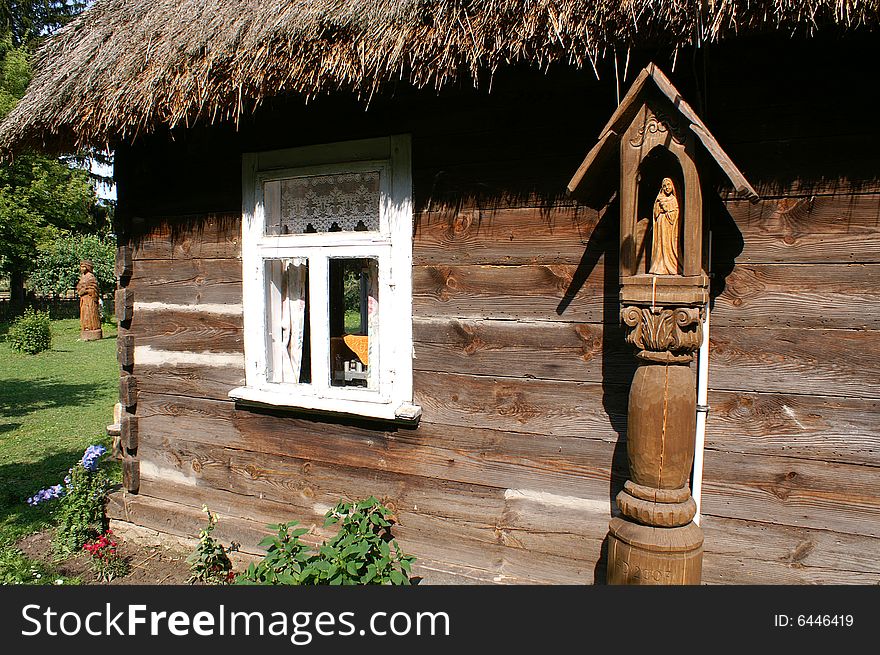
x=655, y=541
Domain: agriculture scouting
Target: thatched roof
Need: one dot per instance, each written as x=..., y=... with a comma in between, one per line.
x=128, y=66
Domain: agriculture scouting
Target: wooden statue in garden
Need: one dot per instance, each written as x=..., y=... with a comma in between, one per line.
x=89, y=305
x=659, y=143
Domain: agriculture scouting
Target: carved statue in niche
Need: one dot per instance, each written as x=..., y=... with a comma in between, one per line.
x=89, y=310
x=665, y=258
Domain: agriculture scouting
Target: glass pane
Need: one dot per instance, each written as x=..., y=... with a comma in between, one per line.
x=354, y=322
x=347, y=202
x=287, y=284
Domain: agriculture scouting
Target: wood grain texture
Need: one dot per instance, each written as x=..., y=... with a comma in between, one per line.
x=809, y=427
x=555, y=292
x=468, y=512
x=189, y=380
x=168, y=329
x=563, y=466
x=792, y=553
x=200, y=236
x=803, y=361
x=794, y=492
x=187, y=281
x=800, y=295
x=813, y=229
x=503, y=236
x=533, y=406
x=546, y=350
x=127, y=390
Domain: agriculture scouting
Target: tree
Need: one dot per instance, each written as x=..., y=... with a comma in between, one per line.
x=57, y=267
x=27, y=21
x=40, y=197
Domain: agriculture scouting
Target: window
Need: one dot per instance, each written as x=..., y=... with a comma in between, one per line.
x=327, y=278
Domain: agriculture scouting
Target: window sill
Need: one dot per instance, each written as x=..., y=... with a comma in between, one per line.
x=396, y=412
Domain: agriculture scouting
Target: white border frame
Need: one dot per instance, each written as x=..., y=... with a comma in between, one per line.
x=392, y=247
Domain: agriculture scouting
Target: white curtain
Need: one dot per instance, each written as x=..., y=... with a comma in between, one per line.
x=293, y=317
x=372, y=284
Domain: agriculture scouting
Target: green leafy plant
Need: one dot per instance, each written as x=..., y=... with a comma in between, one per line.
x=362, y=552
x=286, y=558
x=210, y=563
x=31, y=332
x=106, y=561
x=81, y=513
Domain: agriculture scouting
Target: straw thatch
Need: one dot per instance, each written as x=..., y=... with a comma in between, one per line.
x=128, y=66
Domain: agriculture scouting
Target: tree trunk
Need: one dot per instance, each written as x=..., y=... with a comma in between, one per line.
x=16, y=291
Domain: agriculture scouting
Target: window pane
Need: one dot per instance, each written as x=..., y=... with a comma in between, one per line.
x=354, y=322
x=287, y=283
x=347, y=202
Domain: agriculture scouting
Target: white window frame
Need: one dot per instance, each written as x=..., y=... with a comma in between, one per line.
x=392, y=247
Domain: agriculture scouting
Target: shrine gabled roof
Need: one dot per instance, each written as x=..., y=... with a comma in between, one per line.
x=606, y=150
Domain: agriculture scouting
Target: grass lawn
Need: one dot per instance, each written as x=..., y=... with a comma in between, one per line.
x=52, y=406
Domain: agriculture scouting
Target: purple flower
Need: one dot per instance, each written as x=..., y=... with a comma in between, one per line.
x=91, y=456
x=43, y=495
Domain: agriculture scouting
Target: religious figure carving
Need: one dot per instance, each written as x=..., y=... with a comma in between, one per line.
x=89, y=310
x=664, y=255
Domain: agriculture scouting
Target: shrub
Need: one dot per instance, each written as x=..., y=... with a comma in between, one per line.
x=31, y=332
x=362, y=552
x=210, y=563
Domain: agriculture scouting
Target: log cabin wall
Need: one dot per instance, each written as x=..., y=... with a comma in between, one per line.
x=520, y=366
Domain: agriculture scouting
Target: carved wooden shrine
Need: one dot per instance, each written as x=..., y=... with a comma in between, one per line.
x=664, y=155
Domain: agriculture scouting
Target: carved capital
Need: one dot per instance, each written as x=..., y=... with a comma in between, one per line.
x=676, y=331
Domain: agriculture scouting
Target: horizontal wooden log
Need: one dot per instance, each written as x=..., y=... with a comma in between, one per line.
x=810, y=427
x=128, y=430
x=534, y=406
x=813, y=229
x=519, y=520
x=804, y=361
x=131, y=478
x=200, y=236
x=187, y=281
x=125, y=350
x=795, y=492
x=128, y=392
x=490, y=563
x=170, y=329
x=796, y=553
x=562, y=466
x=123, y=266
x=538, y=349
x=192, y=380
x=800, y=295
x=555, y=292
x=504, y=236
x=124, y=301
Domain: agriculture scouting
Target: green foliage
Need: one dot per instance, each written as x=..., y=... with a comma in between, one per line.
x=40, y=197
x=362, y=552
x=57, y=267
x=80, y=515
x=210, y=563
x=26, y=21
x=106, y=561
x=286, y=558
x=30, y=333
x=17, y=568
